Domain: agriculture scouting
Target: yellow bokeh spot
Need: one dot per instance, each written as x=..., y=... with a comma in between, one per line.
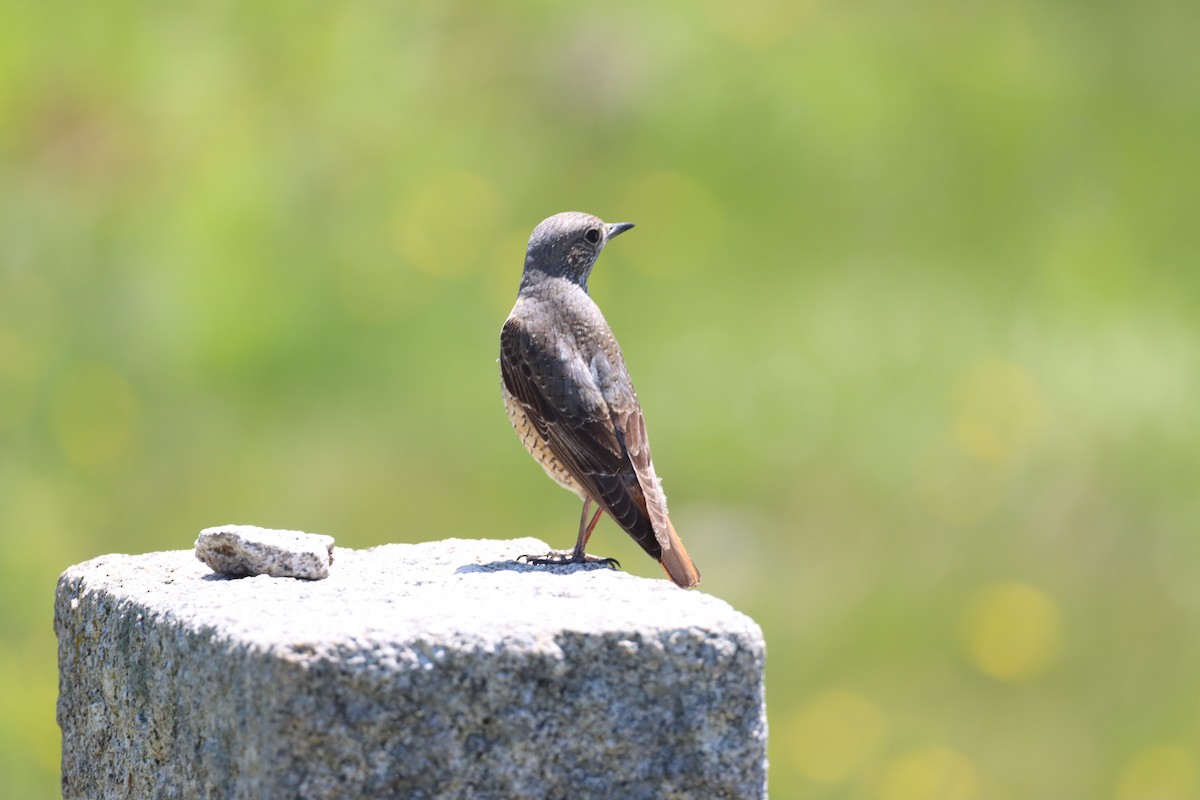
x=95, y=415
x=449, y=223
x=833, y=734
x=1013, y=631
x=1159, y=773
x=680, y=225
x=999, y=412
x=932, y=773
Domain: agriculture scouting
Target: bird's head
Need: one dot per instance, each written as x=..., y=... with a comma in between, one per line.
x=567, y=244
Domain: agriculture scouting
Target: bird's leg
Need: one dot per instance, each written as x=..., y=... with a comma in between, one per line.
x=585, y=533
x=578, y=556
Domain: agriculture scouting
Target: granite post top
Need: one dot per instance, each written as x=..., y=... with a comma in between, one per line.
x=473, y=590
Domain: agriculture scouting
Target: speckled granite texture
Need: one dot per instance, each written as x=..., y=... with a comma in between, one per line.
x=438, y=670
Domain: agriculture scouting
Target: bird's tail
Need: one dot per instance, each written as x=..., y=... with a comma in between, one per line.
x=675, y=560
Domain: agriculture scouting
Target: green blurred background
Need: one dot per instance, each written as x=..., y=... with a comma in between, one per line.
x=912, y=307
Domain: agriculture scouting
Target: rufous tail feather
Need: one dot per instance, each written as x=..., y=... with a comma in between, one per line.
x=675, y=561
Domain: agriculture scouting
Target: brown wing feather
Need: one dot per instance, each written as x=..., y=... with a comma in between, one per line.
x=570, y=414
x=673, y=556
x=599, y=436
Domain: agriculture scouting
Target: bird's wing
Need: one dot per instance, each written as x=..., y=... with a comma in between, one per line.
x=672, y=554
x=584, y=407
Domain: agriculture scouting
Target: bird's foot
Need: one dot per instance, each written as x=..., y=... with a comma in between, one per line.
x=561, y=557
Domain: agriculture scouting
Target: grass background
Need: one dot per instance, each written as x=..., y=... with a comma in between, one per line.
x=911, y=306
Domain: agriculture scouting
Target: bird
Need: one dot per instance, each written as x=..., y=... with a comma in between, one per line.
x=570, y=399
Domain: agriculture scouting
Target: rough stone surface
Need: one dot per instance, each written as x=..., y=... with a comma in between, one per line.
x=438, y=670
x=242, y=550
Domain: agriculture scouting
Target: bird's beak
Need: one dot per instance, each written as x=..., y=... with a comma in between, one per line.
x=617, y=228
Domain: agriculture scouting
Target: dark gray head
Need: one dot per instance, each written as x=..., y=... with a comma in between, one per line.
x=567, y=244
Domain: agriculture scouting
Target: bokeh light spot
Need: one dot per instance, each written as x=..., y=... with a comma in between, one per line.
x=95, y=415
x=999, y=412
x=680, y=225
x=1159, y=773
x=1013, y=631
x=833, y=734
x=448, y=223
x=932, y=773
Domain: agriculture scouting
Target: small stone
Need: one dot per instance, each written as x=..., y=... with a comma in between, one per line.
x=242, y=550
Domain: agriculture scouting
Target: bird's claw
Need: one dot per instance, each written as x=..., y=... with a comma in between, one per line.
x=557, y=558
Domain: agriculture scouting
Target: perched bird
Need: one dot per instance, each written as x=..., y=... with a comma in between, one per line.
x=570, y=399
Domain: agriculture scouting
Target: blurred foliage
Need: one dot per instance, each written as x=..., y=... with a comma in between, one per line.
x=912, y=307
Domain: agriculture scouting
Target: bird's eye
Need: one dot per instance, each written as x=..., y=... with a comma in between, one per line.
x=592, y=235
